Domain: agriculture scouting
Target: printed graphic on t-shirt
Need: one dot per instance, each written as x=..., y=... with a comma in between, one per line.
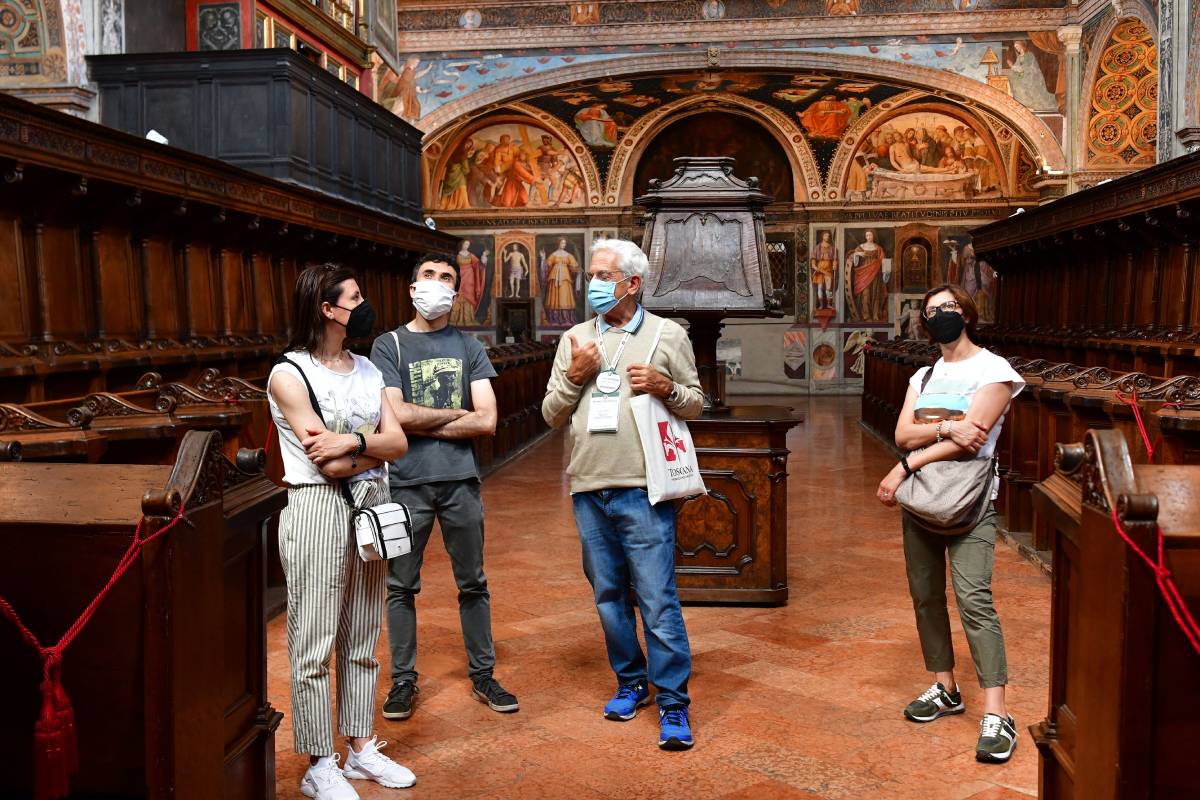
x=351, y=414
x=947, y=398
x=437, y=382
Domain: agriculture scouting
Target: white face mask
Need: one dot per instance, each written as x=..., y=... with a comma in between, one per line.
x=432, y=299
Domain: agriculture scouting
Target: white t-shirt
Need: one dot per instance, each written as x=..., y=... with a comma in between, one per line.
x=954, y=384
x=349, y=402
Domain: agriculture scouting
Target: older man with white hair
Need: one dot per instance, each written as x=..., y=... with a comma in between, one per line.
x=626, y=541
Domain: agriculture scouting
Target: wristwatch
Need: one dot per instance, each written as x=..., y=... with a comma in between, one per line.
x=673, y=397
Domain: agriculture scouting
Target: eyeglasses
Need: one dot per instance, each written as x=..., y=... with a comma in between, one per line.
x=948, y=306
x=615, y=277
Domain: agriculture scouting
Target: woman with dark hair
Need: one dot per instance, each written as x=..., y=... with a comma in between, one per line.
x=333, y=595
x=954, y=411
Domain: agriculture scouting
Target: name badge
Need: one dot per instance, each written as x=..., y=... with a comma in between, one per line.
x=608, y=381
x=603, y=413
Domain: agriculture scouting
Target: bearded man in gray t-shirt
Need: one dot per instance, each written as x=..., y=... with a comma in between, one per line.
x=438, y=382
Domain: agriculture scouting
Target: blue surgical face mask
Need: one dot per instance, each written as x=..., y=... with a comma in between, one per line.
x=602, y=295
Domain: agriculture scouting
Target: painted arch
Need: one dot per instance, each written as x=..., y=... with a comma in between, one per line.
x=1037, y=137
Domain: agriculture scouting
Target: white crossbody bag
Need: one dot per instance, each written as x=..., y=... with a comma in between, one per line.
x=381, y=532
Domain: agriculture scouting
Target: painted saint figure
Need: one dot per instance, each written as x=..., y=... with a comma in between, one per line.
x=472, y=276
x=827, y=118
x=515, y=191
x=866, y=288
x=562, y=270
x=518, y=270
x=596, y=126
x=407, y=103
x=824, y=267
x=1027, y=81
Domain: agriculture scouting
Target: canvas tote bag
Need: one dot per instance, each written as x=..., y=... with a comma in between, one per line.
x=948, y=497
x=671, y=468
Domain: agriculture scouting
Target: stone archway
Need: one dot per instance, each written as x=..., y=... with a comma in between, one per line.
x=1034, y=133
x=806, y=177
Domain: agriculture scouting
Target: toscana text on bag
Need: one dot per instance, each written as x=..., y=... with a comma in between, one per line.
x=381, y=532
x=672, y=471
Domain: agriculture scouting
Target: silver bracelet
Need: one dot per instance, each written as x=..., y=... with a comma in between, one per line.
x=938, y=430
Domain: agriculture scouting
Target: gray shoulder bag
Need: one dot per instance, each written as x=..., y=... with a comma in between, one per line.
x=948, y=497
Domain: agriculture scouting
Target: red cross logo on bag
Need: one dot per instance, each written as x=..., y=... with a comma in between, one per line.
x=670, y=442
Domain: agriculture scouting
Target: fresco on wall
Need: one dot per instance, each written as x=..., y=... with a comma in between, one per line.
x=509, y=165
x=824, y=264
x=824, y=354
x=854, y=352
x=476, y=269
x=714, y=133
x=516, y=270
x=795, y=353
x=1123, y=122
x=867, y=273
x=926, y=156
x=561, y=266
x=32, y=47
x=822, y=105
x=906, y=316
x=1029, y=65
x=1034, y=72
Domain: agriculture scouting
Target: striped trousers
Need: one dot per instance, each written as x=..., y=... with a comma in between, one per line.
x=333, y=597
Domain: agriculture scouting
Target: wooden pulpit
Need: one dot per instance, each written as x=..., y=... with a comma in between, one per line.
x=169, y=679
x=708, y=261
x=1124, y=700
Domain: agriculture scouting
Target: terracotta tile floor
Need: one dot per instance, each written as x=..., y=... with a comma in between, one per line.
x=796, y=702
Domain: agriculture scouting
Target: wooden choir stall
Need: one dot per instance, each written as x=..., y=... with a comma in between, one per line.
x=1124, y=700
x=168, y=680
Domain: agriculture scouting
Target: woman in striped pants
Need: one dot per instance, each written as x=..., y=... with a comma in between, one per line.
x=334, y=598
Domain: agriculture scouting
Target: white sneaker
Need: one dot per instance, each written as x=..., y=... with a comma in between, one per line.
x=372, y=765
x=324, y=781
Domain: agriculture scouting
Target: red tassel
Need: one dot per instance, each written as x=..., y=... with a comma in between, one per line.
x=49, y=759
x=66, y=721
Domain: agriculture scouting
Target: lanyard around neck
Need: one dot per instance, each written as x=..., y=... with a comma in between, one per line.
x=610, y=366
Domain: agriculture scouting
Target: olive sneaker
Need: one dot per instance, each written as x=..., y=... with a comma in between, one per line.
x=997, y=739
x=935, y=702
x=488, y=690
x=400, y=700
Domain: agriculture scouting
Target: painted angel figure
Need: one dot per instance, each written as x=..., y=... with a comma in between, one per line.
x=856, y=348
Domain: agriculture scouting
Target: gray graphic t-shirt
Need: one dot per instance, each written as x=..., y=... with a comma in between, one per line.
x=434, y=370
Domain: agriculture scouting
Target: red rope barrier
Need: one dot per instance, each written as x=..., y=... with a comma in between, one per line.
x=1166, y=585
x=56, y=751
x=1162, y=575
x=1137, y=417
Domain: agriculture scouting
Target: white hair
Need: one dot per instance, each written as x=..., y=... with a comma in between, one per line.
x=630, y=258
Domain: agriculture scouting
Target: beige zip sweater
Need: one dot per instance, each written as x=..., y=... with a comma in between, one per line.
x=614, y=460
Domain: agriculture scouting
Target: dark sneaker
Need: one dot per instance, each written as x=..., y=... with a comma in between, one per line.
x=674, y=731
x=400, y=700
x=997, y=739
x=488, y=690
x=934, y=702
x=625, y=703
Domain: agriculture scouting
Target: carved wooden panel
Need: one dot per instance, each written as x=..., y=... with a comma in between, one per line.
x=118, y=284
x=716, y=533
x=14, y=296
x=61, y=283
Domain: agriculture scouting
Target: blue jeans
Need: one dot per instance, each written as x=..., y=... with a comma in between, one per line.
x=628, y=541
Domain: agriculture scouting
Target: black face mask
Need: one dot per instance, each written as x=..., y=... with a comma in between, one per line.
x=946, y=326
x=361, y=321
